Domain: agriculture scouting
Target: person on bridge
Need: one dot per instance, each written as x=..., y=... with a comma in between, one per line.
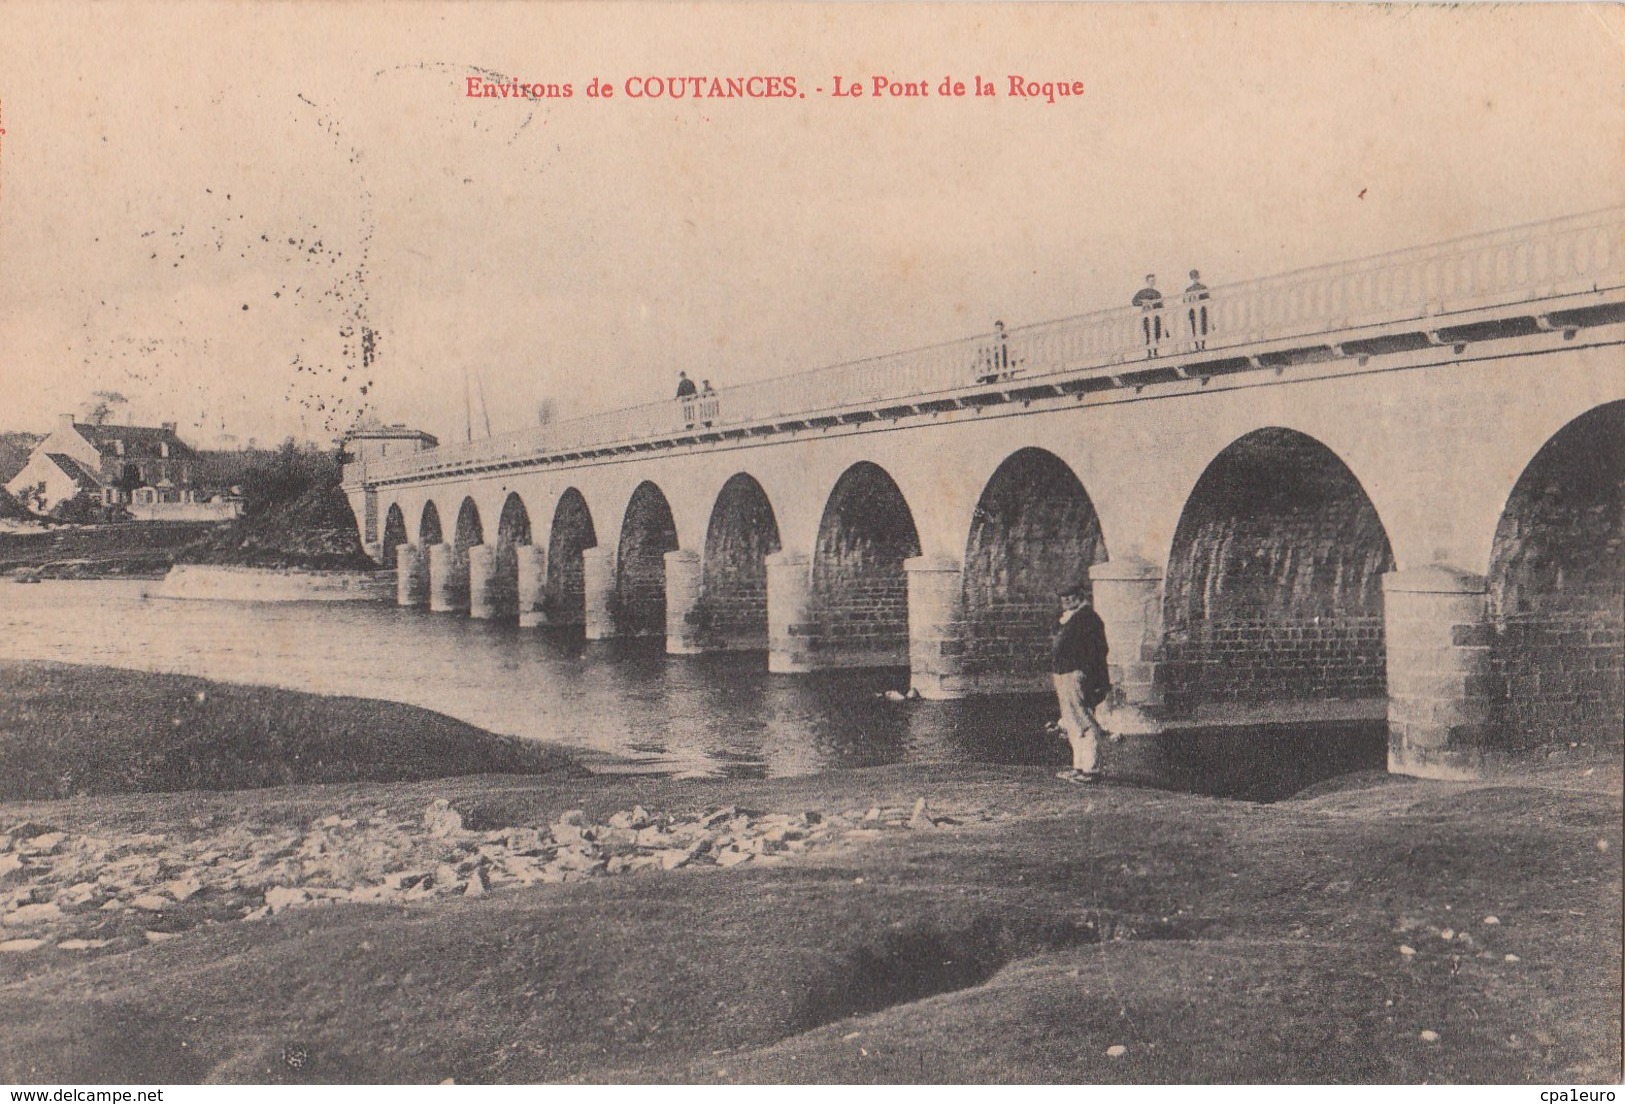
x=685, y=386
x=1082, y=681
x=1196, y=301
x=1149, y=300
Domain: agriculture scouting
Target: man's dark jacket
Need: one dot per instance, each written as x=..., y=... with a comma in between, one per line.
x=1080, y=645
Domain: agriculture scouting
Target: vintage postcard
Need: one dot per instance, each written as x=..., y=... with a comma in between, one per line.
x=826, y=543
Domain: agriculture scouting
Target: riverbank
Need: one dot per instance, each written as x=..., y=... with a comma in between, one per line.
x=215, y=583
x=68, y=730
x=141, y=550
x=825, y=928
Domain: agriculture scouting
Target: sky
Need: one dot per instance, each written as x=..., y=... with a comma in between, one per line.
x=262, y=220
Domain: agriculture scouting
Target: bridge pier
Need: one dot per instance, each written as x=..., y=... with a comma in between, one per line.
x=1128, y=597
x=792, y=634
x=1438, y=640
x=684, y=633
x=936, y=627
x=411, y=576
x=531, y=568
x=448, y=579
x=598, y=583
x=482, y=571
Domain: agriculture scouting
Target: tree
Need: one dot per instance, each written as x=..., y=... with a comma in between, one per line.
x=102, y=406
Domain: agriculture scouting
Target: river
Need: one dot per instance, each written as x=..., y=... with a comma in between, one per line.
x=623, y=705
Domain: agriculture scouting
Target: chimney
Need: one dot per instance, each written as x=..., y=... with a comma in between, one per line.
x=169, y=427
x=64, y=420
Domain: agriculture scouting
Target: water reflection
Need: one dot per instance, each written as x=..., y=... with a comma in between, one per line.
x=624, y=704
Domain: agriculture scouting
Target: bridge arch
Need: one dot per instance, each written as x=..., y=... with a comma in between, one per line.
x=1274, y=585
x=1034, y=532
x=429, y=531
x=469, y=531
x=742, y=531
x=859, y=586
x=394, y=534
x=1556, y=591
x=513, y=530
x=648, y=532
x=571, y=532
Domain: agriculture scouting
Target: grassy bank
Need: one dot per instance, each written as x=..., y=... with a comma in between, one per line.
x=1376, y=929
x=68, y=730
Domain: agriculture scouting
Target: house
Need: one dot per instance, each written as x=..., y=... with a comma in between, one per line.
x=147, y=469
x=369, y=442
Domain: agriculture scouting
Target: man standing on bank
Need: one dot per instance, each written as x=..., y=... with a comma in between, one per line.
x=1082, y=681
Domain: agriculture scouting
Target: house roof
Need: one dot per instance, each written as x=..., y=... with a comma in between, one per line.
x=75, y=470
x=139, y=441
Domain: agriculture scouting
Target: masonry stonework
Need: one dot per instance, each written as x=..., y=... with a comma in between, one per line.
x=860, y=589
x=1557, y=593
x=1438, y=648
x=742, y=533
x=647, y=534
x=1273, y=590
x=1034, y=534
x=572, y=533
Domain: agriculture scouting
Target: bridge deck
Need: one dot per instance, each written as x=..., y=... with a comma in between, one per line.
x=1559, y=276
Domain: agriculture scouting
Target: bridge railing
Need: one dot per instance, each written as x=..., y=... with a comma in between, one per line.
x=1528, y=263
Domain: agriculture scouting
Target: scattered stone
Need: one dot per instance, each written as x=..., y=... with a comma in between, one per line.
x=79, y=893
x=1491, y=921
x=13, y=946
x=1513, y=958
x=32, y=914
x=1430, y=1036
x=441, y=820
x=46, y=844
x=1447, y=934
x=258, y=870
x=718, y=816
x=1406, y=951
x=1116, y=1051
x=278, y=898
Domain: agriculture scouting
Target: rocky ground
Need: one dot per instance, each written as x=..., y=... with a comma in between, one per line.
x=76, y=891
x=823, y=929
x=323, y=895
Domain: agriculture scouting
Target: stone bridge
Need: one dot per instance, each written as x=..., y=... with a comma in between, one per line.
x=1385, y=488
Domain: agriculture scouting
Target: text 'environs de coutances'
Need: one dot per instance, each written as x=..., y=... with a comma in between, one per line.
x=777, y=87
